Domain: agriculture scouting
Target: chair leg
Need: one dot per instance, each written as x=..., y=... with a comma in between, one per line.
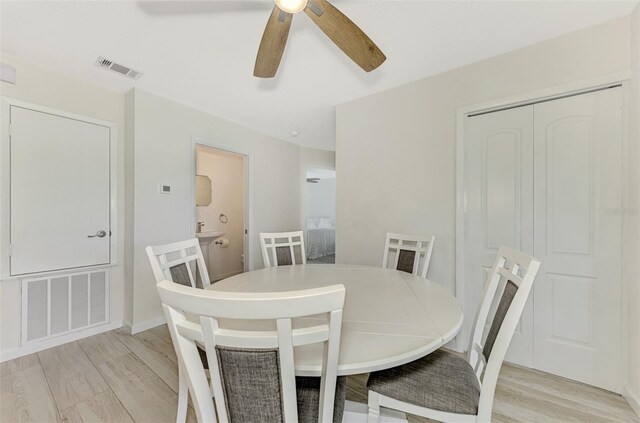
x=374, y=407
x=183, y=397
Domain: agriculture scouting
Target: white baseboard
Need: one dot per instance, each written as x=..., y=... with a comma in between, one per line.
x=59, y=340
x=140, y=327
x=632, y=398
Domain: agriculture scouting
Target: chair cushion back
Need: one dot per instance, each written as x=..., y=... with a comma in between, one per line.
x=308, y=396
x=180, y=274
x=406, y=261
x=284, y=256
x=509, y=292
x=251, y=383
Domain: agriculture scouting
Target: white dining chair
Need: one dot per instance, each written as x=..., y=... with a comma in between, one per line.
x=255, y=378
x=447, y=387
x=407, y=252
x=279, y=248
x=178, y=262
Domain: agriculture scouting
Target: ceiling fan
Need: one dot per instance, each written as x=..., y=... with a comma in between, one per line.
x=344, y=33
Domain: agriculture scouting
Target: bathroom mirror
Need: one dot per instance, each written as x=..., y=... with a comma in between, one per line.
x=203, y=190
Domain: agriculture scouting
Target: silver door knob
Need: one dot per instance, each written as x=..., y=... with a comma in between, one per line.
x=99, y=234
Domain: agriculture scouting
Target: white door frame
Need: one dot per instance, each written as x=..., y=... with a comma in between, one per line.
x=5, y=182
x=462, y=340
x=250, y=237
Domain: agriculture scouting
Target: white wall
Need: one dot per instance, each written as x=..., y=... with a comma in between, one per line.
x=226, y=172
x=631, y=225
x=395, y=151
x=321, y=199
x=46, y=88
x=163, y=131
x=316, y=158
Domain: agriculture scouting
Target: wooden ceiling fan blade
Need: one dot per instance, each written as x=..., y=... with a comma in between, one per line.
x=272, y=44
x=345, y=34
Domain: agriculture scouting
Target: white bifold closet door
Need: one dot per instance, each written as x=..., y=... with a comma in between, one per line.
x=546, y=179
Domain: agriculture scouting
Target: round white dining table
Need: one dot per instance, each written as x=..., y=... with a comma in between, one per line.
x=389, y=318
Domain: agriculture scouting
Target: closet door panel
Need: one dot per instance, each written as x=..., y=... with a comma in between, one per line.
x=499, y=206
x=577, y=237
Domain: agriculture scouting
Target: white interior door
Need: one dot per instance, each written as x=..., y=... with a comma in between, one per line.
x=545, y=179
x=499, y=206
x=60, y=192
x=577, y=238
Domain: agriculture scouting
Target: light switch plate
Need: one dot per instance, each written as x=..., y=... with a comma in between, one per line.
x=164, y=189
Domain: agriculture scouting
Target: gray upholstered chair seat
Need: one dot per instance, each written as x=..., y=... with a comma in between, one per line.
x=308, y=393
x=440, y=381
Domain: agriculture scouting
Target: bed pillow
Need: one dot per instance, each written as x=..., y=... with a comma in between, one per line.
x=325, y=223
x=311, y=223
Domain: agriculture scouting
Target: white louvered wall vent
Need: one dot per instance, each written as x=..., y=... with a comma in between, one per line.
x=116, y=67
x=61, y=304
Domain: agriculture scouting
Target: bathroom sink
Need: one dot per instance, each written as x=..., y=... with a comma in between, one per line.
x=207, y=236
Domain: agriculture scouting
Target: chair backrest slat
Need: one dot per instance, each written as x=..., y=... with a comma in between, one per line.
x=233, y=350
x=285, y=346
x=174, y=262
x=278, y=248
x=269, y=339
x=414, y=271
x=397, y=249
x=183, y=259
x=408, y=252
x=510, y=281
x=511, y=274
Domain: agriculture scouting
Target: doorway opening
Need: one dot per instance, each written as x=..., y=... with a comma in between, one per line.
x=320, y=222
x=221, y=179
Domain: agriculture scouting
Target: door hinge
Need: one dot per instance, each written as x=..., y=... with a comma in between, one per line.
x=245, y=232
x=10, y=130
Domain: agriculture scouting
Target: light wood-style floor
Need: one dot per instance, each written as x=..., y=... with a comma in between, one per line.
x=117, y=377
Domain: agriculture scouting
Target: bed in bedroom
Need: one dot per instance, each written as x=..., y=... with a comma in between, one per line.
x=320, y=237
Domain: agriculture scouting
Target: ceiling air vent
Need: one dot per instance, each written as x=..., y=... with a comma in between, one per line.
x=116, y=67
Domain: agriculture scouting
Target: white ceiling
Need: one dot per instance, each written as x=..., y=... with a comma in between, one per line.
x=202, y=53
